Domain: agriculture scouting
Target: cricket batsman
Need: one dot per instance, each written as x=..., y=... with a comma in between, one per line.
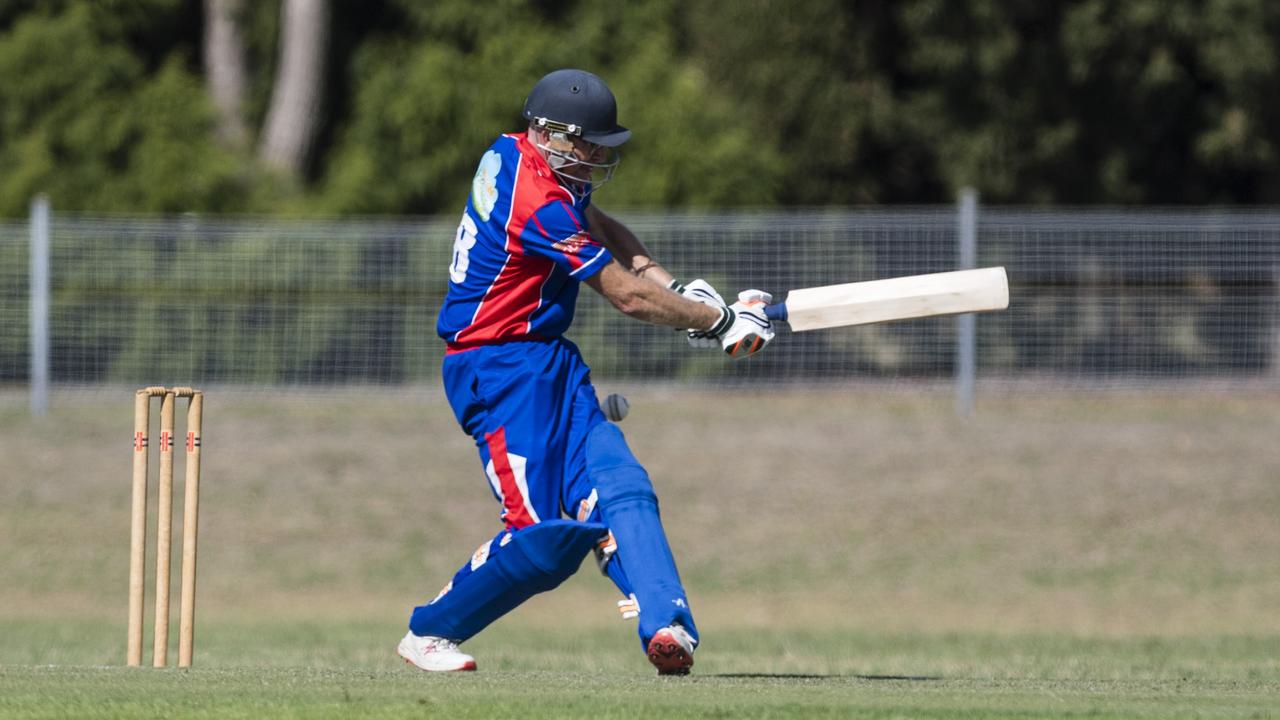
x=563, y=474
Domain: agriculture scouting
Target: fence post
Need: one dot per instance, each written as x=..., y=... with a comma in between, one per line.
x=966, y=336
x=39, y=301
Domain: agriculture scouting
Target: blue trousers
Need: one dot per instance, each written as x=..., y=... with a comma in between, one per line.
x=548, y=451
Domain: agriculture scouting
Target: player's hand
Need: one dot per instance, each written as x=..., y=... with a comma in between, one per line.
x=701, y=291
x=750, y=330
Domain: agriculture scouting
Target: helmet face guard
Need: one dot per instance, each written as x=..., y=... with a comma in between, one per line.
x=579, y=175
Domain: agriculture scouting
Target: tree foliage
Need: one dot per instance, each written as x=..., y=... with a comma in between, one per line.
x=762, y=102
x=87, y=121
x=430, y=96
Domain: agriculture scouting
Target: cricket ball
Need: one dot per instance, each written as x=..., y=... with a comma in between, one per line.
x=615, y=407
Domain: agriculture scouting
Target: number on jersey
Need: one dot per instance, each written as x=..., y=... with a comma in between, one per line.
x=462, y=244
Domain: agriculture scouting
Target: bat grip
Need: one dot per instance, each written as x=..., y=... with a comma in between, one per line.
x=776, y=312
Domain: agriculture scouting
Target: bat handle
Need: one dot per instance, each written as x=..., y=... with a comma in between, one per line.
x=776, y=312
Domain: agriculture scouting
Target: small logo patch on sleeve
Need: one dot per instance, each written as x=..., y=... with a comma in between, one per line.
x=484, y=186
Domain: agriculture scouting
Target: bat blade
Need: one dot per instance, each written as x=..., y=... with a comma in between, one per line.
x=904, y=298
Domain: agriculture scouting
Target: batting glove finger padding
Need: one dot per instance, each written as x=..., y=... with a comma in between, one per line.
x=749, y=330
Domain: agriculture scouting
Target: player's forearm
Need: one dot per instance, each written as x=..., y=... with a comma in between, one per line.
x=663, y=307
x=650, y=302
x=626, y=248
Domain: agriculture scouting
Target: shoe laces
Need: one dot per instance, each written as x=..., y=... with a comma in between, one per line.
x=683, y=637
x=439, y=644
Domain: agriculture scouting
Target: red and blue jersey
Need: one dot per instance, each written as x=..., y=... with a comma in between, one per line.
x=521, y=250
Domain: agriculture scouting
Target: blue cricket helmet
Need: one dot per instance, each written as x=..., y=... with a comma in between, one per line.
x=578, y=103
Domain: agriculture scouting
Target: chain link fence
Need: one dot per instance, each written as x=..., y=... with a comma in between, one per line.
x=1137, y=298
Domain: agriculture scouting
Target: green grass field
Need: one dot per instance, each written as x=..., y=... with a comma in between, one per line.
x=1100, y=555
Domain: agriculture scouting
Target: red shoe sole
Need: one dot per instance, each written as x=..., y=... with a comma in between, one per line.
x=667, y=656
x=471, y=665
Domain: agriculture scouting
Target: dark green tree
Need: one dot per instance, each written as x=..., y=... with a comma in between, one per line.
x=105, y=105
x=431, y=94
x=99, y=128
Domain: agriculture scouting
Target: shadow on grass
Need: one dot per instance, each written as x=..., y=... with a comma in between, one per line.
x=804, y=676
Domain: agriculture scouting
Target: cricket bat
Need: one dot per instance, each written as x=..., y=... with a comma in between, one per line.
x=916, y=296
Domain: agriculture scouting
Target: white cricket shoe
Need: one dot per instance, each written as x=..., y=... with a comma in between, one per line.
x=671, y=650
x=434, y=654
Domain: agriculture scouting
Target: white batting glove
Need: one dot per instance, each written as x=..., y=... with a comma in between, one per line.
x=701, y=291
x=750, y=330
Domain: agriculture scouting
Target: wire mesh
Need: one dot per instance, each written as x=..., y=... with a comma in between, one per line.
x=1131, y=297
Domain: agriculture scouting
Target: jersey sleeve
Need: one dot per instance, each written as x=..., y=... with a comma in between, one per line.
x=558, y=232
